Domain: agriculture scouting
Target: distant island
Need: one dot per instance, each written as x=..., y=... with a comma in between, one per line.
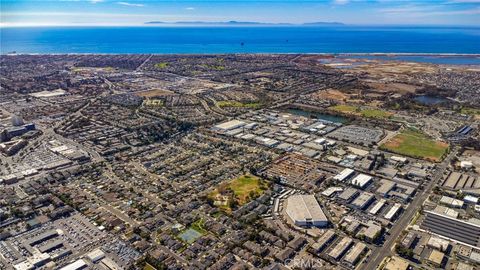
x=236, y=23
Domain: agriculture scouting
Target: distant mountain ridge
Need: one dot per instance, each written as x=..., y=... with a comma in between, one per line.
x=241, y=23
x=325, y=23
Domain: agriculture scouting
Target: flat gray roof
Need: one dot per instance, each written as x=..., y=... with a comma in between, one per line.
x=304, y=207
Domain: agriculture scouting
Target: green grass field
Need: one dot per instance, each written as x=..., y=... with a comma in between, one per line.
x=471, y=111
x=345, y=108
x=369, y=113
x=199, y=226
x=244, y=185
x=241, y=190
x=161, y=65
x=375, y=113
x=416, y=144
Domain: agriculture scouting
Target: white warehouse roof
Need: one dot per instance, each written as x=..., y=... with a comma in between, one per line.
x=79, y=264
x=344, y=174
x=96, y=255
x=393, y=211
x=305, y=210
x=361, y=180
x=232, y=124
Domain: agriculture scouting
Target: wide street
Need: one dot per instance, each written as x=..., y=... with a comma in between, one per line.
x=386, y=249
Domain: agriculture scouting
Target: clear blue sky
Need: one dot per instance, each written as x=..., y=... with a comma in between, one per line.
x=136, y=12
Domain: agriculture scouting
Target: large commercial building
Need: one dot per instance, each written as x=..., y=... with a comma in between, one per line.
x=304, y=210
x=452, y=228
x=230, y=125
x=361, y=180
x=345, y=174
x=363, y=201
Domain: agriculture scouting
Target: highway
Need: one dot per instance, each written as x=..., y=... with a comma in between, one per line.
x=402, y=223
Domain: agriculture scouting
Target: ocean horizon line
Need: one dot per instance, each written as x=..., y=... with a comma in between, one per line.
x=272, y=53
x=260, y=25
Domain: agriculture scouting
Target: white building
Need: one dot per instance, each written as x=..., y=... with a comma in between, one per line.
x=304, y=210
x=79, y=264
x=232, y=124
x=361, y=180
x=392, y=213
x=466, y=164
x=344, y=175
x=451, y=202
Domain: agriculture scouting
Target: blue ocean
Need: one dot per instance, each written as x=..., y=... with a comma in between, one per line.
x=241, y=39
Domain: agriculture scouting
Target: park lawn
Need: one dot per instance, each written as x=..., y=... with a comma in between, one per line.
x=237, y=104
x=375, y=113
x=161, y=65
x=369, y=113
x=214, y=67
x=199, y=226
x=416, y=144
x=241, y=187
x=471, y=111
x=244, y=185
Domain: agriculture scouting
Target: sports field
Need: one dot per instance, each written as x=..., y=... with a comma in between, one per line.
x=190, y=235
x=416, y=144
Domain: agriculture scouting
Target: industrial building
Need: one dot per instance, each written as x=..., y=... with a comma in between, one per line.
x=452, y=228
x=363, y=201
x=348, y=194
x=232, y=124
x=470, y=199
x=304, y=210
x=372, y=231
x=451, y=202
x=33, y=262
x=361, y=180
x=385, y=187
x=323, y=241
x=456, y=180
x=341, y=248
x=344, y=175
x=440, y=209
x=331, y=190
x=392, y=213
x=436, y=258
x=355, y=253
x=77, y=265
x=379, y=205
x=96, y=255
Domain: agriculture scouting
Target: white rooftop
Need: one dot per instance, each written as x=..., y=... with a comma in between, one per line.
x=232, y=124
x=304, y=208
